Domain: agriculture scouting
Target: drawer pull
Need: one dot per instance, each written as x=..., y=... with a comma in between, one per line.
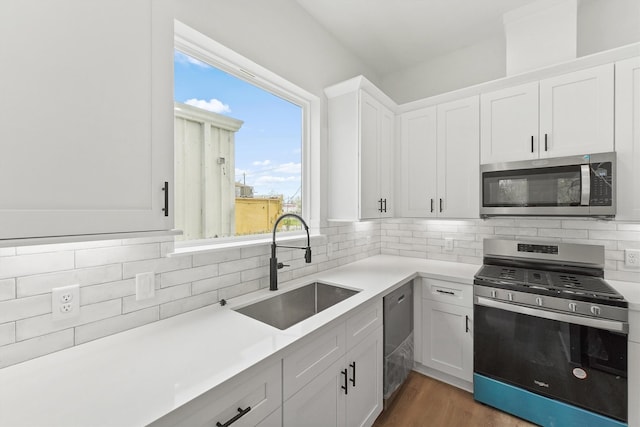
x=440, y=291
x=241, y=413
x=346, y=384
x=466, y=324
x=353, y=378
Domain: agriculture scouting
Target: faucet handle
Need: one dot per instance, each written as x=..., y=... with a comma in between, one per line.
x=281, y=265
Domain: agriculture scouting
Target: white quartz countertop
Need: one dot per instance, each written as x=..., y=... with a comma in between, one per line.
x=135, y=377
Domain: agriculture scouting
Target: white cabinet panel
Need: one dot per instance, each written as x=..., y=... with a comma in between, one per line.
x=576, y=113
x=509, y=127
x=634, y=384
x=85, y=145
x=419, y=163
x=628, y=138
x=458, y=158
x=447, y=344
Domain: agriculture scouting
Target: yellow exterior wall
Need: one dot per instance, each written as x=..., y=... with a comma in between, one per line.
x=256, y=215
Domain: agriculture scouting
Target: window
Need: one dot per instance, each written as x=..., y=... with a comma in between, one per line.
x=242, y=144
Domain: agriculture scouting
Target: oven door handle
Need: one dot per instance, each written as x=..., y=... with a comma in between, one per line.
x=609, y=325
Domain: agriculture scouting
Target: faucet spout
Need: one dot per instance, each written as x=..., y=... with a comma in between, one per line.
x=274, y=265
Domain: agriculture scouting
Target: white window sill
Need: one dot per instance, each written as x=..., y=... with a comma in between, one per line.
x=199, y=247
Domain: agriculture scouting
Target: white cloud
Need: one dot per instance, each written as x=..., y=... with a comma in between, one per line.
x=270, y=179
x=263, y=163
x=186, y=59
x=289, y=168
x=213, y=105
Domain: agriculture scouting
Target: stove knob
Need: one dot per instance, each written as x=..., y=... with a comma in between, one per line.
x=539, y=301
x=493, y=294
x=595, y=310
x=510, y=296
x=573, y=306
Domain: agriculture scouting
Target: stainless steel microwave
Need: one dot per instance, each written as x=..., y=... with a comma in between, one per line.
x=564, y=186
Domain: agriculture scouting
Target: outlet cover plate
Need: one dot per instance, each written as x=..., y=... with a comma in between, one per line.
x=65, y=302
x=632, y=258
x=145, y=286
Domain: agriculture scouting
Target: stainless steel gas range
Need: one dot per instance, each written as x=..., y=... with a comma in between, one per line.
x=550, y=338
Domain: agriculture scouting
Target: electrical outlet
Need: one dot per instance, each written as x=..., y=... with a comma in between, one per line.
x=65, y=302
x=632, y=258
x=448, y=244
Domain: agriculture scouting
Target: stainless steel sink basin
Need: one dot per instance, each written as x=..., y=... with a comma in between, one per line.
x=289, y=308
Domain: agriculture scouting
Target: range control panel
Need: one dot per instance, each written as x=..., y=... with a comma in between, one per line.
x=539, y=249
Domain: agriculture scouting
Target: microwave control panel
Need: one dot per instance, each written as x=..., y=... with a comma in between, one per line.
x=601, y=184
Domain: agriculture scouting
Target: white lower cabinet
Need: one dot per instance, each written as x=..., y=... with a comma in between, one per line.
x=252, y=398
x=348, y=393
x=447, y=329
x=633, y=381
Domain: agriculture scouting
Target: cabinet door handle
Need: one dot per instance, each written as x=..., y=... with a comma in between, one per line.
x=532, y=143
x=440, y=291
x=353, y=373
x=166, y=198
x=466, y=323
x=380, y=208
x=440, y=205
x=385, y=206
x=431, y=205
x=346, y=384
x=241, y=413
x=545, y=142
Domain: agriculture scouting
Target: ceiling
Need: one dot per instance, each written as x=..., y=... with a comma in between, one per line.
x=391, y=35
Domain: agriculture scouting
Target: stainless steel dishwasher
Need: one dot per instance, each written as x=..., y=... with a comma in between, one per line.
x=398, y=339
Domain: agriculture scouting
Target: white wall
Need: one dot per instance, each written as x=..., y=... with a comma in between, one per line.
x=602, y=25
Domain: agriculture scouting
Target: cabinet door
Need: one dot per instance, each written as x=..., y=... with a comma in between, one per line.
x=419, y=163
x=364, y=397
x=634, y=383
x=447, y=338
x=458, y=159
x=86, y=131
x=386, y=155
x=370, y=112
x=509, y=124
x=320, y=403
x=628, y=138
x=576, y=113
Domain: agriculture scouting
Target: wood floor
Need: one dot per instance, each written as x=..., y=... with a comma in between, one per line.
x=425, y=402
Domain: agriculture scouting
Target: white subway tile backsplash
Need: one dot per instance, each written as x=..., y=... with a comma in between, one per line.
x=629, y=227
x=239, y=289
x=112, y=325
x=590, y=225
x=241, y=265
x=42, y=325
x=563, y=233
x=7, y=251
x=178, y=277
x=157, y=265
x=107, y=291
x=516, y=231
x=21, y=308
x=216, y=257
x=7, y=289
x=173, y=308
x=7, y=333
x=214, y=283
x=29, y=349
x=162, y=296
x=43, y=283
x=116, y=254
x=25, y=265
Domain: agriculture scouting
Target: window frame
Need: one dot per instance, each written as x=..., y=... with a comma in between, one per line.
x=199, y=46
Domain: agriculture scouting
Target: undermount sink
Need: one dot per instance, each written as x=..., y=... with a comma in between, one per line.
x=285, y=310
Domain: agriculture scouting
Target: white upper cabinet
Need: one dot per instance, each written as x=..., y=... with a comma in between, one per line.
x=509, y=127
x=576, y=113
x=85, y=118
x=440, y=157
x=628, y=138
x=567, y=115
x=360, y=151
x=458, y=158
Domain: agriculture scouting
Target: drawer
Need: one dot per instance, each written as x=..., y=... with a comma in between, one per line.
x=447, y=292
x=634, y=326
x=258, y=388
x=311, y=357
x=362, y=322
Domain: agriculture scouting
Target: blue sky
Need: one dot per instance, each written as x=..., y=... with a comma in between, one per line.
x=268, y=143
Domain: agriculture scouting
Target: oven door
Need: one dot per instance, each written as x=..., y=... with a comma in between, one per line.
x=581, y=365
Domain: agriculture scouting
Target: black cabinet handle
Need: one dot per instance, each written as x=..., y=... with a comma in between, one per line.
x=440, y=291
x=241, y=413
x=346, y=384
x=353, y=373
x=532, y=143
x=385, y=206
x=380, y=208
x=166, y=198
x=545, y=142
x=466, y=323
x=440, y=205
x=431, y=205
